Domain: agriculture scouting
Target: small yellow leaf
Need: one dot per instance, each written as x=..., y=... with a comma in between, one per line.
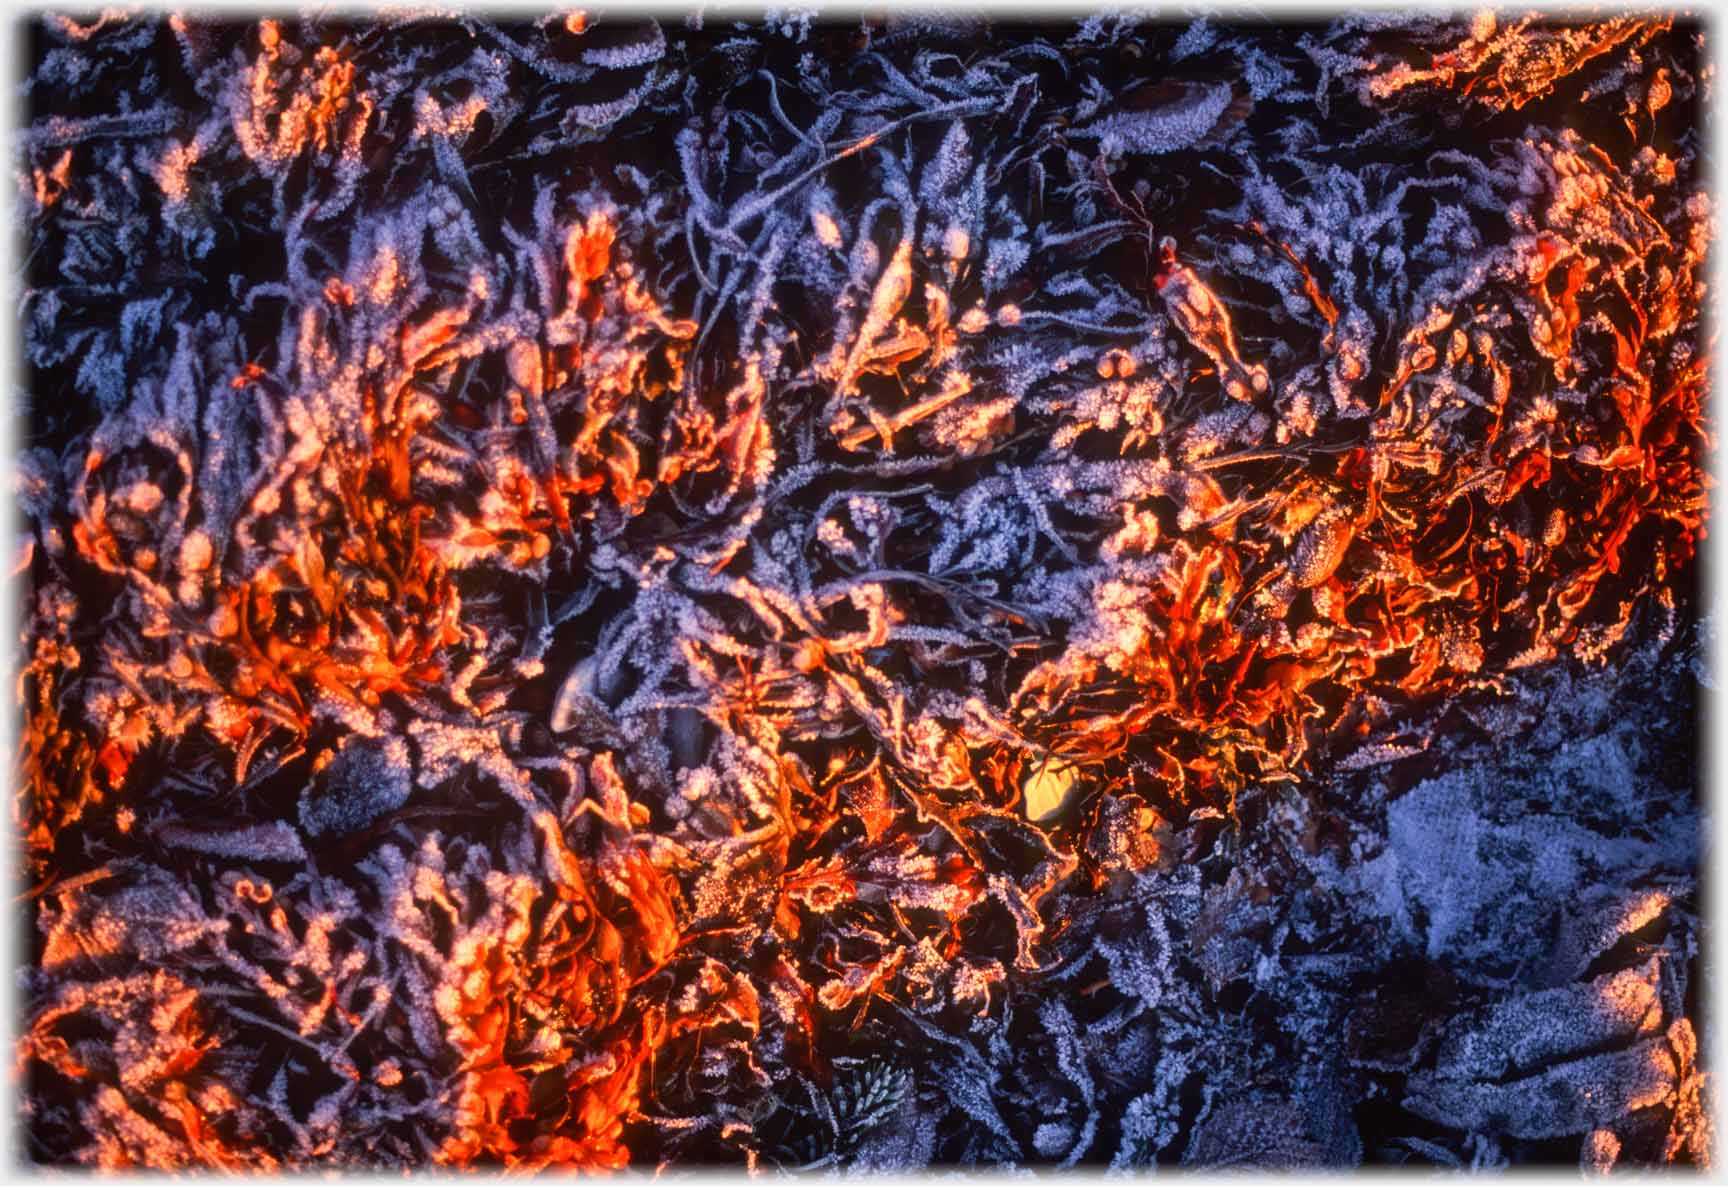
x=1048, y=787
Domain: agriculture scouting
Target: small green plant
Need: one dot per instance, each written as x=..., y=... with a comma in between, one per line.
x=860, y=1102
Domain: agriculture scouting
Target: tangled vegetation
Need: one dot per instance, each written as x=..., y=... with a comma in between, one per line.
x=606, y=592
